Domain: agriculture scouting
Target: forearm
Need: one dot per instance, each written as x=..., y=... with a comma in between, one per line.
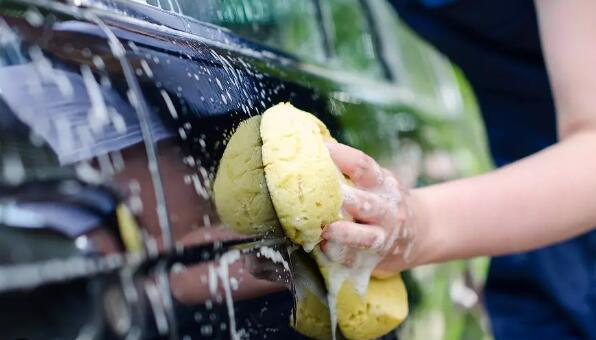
x=543, y=199
x=540, y=200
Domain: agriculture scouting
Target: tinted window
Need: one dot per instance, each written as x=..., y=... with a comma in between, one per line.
x=352, y=39
x=290, y=26
x=307, y=29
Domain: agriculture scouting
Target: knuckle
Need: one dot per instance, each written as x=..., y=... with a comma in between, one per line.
x=391, y=182
x=383, y=212
x=364, y=162
x=366, y=205
x=370, y=240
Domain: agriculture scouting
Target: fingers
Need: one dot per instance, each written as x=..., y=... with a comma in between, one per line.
x=355, y=235
x=368, y=207
x=376, y=200
x=390, y=184
x=358, y=166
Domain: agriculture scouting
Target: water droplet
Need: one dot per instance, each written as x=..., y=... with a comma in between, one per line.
x=169, y=104
x=182, y=133
x=146, y=68
x=34, y=17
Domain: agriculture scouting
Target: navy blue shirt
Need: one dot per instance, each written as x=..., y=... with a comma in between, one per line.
x=549, y=293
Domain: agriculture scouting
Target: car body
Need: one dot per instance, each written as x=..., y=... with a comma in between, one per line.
x=114, y=114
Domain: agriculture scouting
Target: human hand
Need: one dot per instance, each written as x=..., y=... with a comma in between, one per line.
x=383, y=219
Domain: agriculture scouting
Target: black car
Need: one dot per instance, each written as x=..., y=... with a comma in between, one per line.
x=115, y=113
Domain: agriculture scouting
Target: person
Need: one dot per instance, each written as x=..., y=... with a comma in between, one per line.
x=536, y=213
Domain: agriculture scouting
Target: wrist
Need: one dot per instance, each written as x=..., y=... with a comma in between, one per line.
x=425, y=245
x=432, y=241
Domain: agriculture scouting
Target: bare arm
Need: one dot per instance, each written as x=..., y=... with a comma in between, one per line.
x=540, y=200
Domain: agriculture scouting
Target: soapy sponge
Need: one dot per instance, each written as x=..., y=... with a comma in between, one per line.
x=312, y=311
x=240, y=190
x=381, y=309
x=301, y=176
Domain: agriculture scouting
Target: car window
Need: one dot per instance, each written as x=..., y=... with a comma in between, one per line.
x=352, y=39
x=415, y=64
x=291, y=26
x=336, y=32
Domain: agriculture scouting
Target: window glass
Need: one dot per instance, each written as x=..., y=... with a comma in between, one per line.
x=305, y=29
x=351, y=38
x=290, y=26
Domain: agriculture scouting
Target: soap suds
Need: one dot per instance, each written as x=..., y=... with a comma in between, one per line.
x=309, y=246
x=223, y=273
x=337, y=274
x=275, y=256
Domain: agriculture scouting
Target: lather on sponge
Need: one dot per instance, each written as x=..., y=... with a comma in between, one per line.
x=282, y=155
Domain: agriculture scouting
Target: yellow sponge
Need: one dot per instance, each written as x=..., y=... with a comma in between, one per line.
x=240, y=191
x=312, y=316
x=301, y=176
x=312, y=310
x=380, y=310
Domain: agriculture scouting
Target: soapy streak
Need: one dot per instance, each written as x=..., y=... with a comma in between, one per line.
x=222, y=272
x=274, y=255
x=359, y=275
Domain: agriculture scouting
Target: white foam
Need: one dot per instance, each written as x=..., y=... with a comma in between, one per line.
x=223, y=273
x=309, y=246
x=359, y=275
x=275, y=256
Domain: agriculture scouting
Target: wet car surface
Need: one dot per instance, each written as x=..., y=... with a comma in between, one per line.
x=114, y=115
